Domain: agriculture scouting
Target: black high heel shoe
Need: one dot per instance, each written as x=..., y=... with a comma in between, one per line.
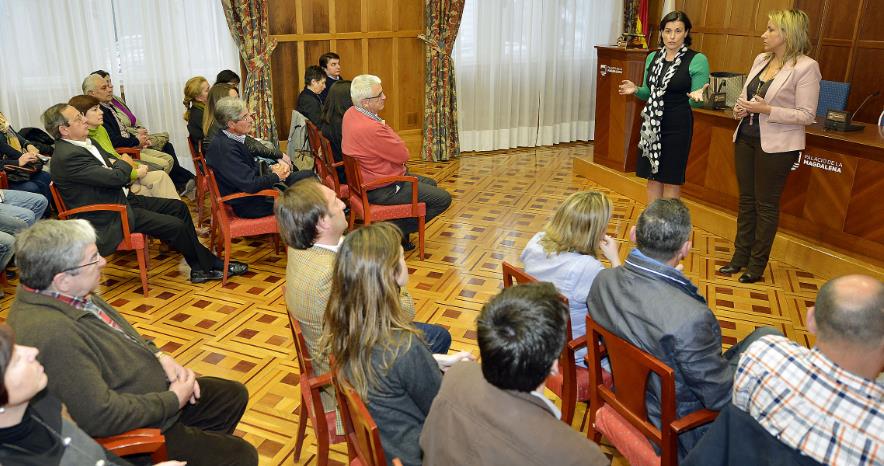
x=749, y=278
x=729, y=269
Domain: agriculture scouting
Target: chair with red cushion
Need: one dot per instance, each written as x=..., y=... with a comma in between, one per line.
x=202, y=185
x=226, y=223
x=571, y=384
x=363, y=437
x=621, y=415
x=368, y=212
x=131, y=241
x=331, y=180
x=137, y=442
x=311, y=403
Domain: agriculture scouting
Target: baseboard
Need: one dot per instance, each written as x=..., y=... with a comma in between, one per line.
x=787, y=248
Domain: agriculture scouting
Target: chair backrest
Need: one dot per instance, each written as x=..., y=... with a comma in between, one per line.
x=218, y=208
x=363, y=436
x=305, y=362
x=631, y=368
x=833, y=96
x=513, y=274
x=4, y=180
x=312, y=136
x=354, y=176
x=56, y=196
x=328, y=158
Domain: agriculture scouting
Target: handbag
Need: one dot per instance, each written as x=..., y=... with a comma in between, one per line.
x=19, y=174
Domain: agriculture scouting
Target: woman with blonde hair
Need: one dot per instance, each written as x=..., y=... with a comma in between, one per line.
x=376, y=348
x=566, y=253
x=196, y=92
x=778, y=101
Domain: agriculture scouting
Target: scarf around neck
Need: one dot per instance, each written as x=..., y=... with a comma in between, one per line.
x=652, y=114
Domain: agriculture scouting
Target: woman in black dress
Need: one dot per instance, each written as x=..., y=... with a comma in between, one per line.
x=674, y=81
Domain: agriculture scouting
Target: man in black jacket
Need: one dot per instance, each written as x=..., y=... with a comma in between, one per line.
x=310, y=99
x=236, y=170
x=85, y=175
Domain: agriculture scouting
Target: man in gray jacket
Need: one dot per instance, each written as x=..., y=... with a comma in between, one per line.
x=651, y=304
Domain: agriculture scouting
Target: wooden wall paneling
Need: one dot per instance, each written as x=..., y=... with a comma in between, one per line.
x=715, y=49
x=830, y=192
x=315, y=15
x=795, y=192
x=763, y=7
x=411, y=15
x=348, y=16
x=833, y=62
x=866, y=77
x=872, y=19
x=841, y=21
x=867, y=188
x=285, y=86
x=379, y=16
x=411, y=78
x=720, y=172
x=696, y=10
x=717, y=17
x=282, y=19
x=380, y=64
x=698, y=159
x=313, y=49
x=351, y=57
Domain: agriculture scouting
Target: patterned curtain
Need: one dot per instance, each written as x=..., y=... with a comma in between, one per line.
x=248, y=23
x=442, y=20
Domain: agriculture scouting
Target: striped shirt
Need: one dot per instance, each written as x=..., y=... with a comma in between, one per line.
x=810, y=403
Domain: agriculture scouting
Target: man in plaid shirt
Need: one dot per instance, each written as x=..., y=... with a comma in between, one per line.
x=826, y=402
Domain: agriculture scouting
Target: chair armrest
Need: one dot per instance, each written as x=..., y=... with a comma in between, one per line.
x=4, y=180
x=134, y=152
x=261, y=193
x=133, y=442
x=119, y=208
x=693, y=420
x=390, y=179
x=320, y=381
x=337, y=164
x=577, y=343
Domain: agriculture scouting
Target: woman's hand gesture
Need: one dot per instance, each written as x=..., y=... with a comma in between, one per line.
x=626, y=87
x=697, y=96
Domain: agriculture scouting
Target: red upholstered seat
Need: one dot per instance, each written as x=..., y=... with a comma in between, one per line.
x=628, y=440
x=202, y=184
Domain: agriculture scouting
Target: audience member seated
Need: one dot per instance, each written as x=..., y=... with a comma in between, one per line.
x=330, y=63
x=381, y=153
x=120, y=126
x=497, y=413
x=565, y=253
x=825, y=402
x=237, y=171
x=310, y=101
x=377, y=351
x=196, y=92
x=227, y=77
x=262, y=151
x=22, y=162
x=111, y=378
x=651, y=304
x=33, y=430
x=151, y=183
x=331, y=124
x=85, y=175
x=18, y=210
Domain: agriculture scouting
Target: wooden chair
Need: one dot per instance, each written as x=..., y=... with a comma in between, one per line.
x=311, y=403
x=363, y=437
x=313, y=137
x=331, y=180
x=137, y=442
x=226, y=223
x=621, y=415
x=202, y=185
x=572, y=382
x=4, y=184
x=131, y=241
x=361, y=207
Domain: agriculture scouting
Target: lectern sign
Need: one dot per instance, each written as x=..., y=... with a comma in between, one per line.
x=821, y=163
x=605, y=69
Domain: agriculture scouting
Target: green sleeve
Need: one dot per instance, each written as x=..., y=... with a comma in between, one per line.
x=644, y=92
x=699, y=70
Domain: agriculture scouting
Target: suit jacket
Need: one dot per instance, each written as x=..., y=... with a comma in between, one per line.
x=236, y=170
x=115, y=132
x=474, y=422
x=82, y=180
x=793, y=96
x=310, y=105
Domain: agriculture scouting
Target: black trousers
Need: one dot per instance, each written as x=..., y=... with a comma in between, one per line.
x=203, y=434
x=257, y=207
x=436, y=199
x=761, y=177
x=169, y=221
x=179, y=175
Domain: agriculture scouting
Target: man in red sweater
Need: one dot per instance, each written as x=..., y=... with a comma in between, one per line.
x=381, y=153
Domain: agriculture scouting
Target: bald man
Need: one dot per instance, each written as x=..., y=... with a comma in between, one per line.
x=826, y=402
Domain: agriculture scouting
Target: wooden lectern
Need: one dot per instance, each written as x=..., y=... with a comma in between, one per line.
x=617, y=117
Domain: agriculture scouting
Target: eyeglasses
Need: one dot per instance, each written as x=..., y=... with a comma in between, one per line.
x=77, y=119
x=246, y=116
x=375, y=97
x=96, y=258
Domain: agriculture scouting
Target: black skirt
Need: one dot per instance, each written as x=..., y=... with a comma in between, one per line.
x=676, y=131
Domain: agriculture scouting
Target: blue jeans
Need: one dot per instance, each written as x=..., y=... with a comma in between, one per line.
x=38, y=184
x=20, y=209
x=437, y=337
x=7, y=248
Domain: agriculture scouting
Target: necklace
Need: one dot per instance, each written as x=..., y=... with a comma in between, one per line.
x=66, y=442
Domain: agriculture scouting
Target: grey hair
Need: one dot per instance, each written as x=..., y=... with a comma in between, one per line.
x=228, y=109
x=92, y=82
x=663, y=227
x=52, y=118
x=360, y=88
x=51, y=247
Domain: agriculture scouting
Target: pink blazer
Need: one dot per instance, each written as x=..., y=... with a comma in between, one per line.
x=793, y=96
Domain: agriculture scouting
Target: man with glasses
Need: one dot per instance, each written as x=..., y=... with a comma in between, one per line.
x=236, y=170
x=382, y=153
x=86, y=175
x=110, y=377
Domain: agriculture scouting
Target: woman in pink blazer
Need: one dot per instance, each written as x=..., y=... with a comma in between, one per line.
x=778, y=101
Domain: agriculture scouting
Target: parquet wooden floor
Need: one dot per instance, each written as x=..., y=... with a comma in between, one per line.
x=239, y=331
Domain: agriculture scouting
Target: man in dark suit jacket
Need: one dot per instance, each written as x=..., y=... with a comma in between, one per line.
x=85, y=175
x=236, y=170
x=310, y=99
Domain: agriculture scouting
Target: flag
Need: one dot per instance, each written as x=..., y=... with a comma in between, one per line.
x=641, y=22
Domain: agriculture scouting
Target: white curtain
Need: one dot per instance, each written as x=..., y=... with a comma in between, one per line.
x=526, y=70
x=150, y=48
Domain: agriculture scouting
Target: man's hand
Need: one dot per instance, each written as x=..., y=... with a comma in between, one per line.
x=143, y=141
x=140, y=171
x=184, y=388
x=282, y=170
x=173, y=370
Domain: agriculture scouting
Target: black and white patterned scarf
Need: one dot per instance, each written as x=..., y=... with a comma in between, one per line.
x=652, y=115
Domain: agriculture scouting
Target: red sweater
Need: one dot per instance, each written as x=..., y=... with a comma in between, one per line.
x=380, y=151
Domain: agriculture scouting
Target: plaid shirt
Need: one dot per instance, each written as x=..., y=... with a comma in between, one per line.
x=811, y=404
x=82, y=304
